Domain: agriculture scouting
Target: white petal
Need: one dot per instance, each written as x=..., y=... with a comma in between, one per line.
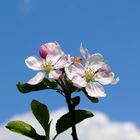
x=55, y=74
x=106, y=77
x=95, y=90
x=55, y=53
x=69, y=61
x=54, y=48
x=79, y=81
x=84, y=52
x=97, y=57
x=115, y=81
x=52, y=58
x=61, y=62
x=34, y=63
x=95, y=60
x=37, y=78
x=74, y=69
x=68, y=71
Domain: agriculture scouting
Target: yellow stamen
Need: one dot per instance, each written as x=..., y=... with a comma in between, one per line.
x=89, y=75
x=47, y=67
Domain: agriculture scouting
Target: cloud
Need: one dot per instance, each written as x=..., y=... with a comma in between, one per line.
x=100, y=127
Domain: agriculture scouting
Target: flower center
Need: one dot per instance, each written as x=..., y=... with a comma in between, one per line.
x=89, y=75
x=47, y=67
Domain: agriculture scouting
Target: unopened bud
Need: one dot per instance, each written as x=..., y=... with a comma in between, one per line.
x=43, y=50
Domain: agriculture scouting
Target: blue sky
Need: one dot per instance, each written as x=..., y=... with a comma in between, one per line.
x=109, y=27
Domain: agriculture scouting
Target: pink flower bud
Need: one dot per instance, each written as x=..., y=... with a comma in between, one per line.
x=43, y=50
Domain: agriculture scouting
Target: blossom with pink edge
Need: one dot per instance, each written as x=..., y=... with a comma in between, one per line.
x=92, y=75
x=51, y=62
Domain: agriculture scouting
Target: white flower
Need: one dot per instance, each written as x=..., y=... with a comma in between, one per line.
x=92, y=75
x=55, y=60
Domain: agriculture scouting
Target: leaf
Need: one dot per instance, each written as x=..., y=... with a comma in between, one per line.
x=45, y=84
x=64, y=122
x=24, y=129
x=76, y=100
x=41, y=113
x=92, y=99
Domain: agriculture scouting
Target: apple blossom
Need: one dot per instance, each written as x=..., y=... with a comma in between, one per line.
x=68, y=74
x=92, y=75
x=52, y=61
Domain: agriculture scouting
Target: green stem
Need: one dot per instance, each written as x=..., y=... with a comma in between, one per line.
x=72, y=116
x=71, y=108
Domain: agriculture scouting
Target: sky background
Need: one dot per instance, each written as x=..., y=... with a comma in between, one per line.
x=109, y=27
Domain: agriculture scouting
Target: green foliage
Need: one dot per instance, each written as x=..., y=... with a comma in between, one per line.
x=92, y=99
x=41, y=113
x=45, y=84
x=64, y=122
x=24, y=129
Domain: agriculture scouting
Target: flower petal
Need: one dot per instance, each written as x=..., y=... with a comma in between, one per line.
x=54, y=48
x=37, y=78
x=79, y=81
x=74, y=69
x=43, y=50
x=34, y=63
x=55, y=53
x=105, y=80
x=84, y=52
x=94, y=59
x=69, y=60
x=95, y=90
x=97, y=57
x=95, y=62
x=50, y=58
x=61, y=62
x=115, y=81
x=55, y=74
x=105, y=76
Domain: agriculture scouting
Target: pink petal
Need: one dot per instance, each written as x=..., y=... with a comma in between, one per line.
x=95, y=90
x=74, y=69
x=34, y=63
x=37, y=78
x=43, y=50
x=95, y=59
x=105, y=76
x=54, y=48
x=52, y=58
x=105, y=80
x=61, y=62
x=84, y=52
x=55, y=74
x=79, y=81
x=115, y=81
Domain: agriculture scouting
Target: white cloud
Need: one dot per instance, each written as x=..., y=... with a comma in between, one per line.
x=100, y=127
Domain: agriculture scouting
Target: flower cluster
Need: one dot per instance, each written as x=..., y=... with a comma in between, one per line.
x=54, y=63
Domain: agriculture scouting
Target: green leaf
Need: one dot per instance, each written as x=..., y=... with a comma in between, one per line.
x=45, y=84
x=92, y=99
x=64, y=122
x=76, y=100
x=41, y=113
x=24, y=129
